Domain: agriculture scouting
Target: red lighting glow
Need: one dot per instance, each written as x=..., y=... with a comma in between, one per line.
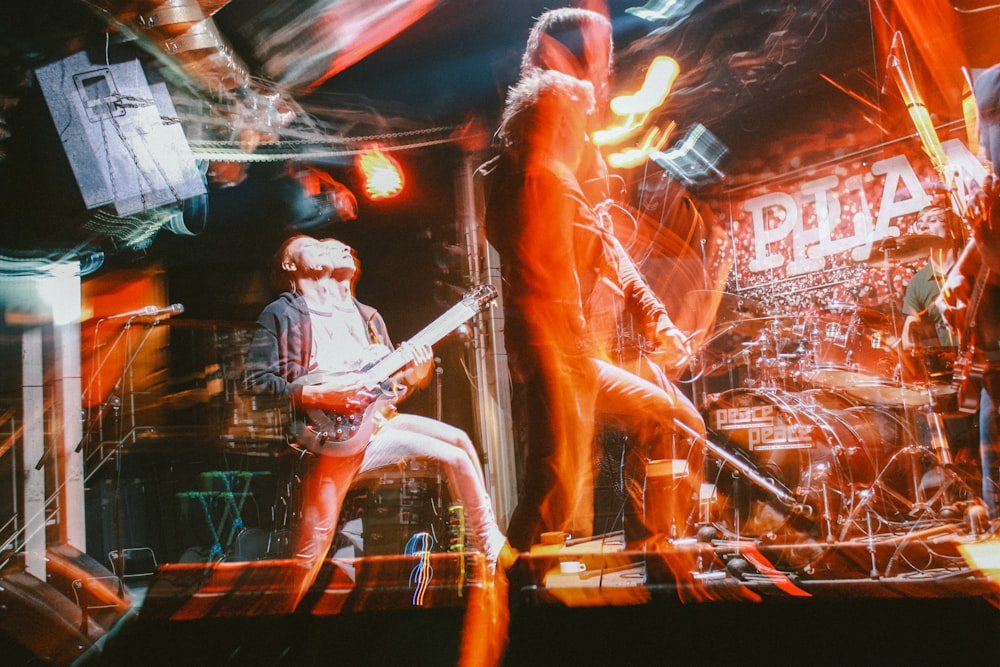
x=383, y=177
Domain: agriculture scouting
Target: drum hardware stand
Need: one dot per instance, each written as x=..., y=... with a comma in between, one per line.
x=779, y=492
x=871, y=544
x=736, y=513
x=827, y=519
x=939, y=439
x=920, y=504
x=699, y=387
x=867, y=495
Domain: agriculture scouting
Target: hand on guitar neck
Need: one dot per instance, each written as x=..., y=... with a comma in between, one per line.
x=421, y=365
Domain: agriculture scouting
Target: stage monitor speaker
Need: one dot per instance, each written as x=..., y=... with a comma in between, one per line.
x=120, y=133
x=43, y=622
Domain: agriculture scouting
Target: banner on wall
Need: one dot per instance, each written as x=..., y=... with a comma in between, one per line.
x=805, y=239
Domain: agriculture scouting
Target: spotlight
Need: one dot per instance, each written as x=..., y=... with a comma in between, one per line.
x=382, y=175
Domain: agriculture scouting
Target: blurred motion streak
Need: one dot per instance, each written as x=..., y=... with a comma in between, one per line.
x=659, y=79
x=636, y=108
x=653, y=142
x=183, y=33
x=302, y=44
x=899, y=66
x=984, y=556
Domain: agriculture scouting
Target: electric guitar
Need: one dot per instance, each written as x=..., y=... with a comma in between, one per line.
x=344, y=433
x=970, y=366
x=967, y=380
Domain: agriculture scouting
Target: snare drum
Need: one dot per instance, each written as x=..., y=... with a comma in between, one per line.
x=874, y=391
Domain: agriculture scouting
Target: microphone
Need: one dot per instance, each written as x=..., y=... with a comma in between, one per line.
x=149, y=311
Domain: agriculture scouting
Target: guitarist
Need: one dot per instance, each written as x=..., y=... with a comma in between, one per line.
x=318, y=325
x=970, y=297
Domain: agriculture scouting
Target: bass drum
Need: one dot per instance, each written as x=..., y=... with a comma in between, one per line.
x=818, y=447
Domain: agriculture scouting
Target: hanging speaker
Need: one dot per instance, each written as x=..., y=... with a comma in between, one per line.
x=120, y=133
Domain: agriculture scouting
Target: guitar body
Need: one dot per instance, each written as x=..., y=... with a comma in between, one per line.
x=968, y=381
x=343, y=434
x=330, y=433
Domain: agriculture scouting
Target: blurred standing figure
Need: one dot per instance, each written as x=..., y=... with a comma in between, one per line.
x=555, y=250
x=580, y=44
x=927, y=336
x=970, y=298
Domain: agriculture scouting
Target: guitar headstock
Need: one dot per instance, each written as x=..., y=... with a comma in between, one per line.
x=479, y=297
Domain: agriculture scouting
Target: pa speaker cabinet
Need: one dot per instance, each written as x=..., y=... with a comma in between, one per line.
x=120, y=134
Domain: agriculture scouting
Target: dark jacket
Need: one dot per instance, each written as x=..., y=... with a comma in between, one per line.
x=282, y=346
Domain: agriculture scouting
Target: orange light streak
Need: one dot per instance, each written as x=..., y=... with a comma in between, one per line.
x=636, y=108
x=899, y=66
x=850, y=93
x=653, y=142
x=655, y=87
x=616, y=134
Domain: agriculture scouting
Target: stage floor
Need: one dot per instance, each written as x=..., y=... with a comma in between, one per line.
x=587, y=601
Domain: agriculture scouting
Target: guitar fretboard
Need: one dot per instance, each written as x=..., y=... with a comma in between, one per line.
x=429, y=335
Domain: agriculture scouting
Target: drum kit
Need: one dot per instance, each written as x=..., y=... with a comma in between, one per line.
x=827, y=430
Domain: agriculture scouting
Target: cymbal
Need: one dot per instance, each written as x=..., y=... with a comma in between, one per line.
x=749, y=327
x=856, y=313
x=900, y=249
x=731, y=305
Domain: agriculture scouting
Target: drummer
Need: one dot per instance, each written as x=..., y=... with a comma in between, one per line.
x=925, y=334
x=924, y=326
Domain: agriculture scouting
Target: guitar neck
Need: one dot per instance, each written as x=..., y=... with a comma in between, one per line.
x=392, y=363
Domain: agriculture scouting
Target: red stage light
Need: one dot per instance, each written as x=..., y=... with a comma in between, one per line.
x=383, y=177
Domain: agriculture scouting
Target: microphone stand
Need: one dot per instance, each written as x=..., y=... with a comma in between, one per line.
x=126, y=376
x=95, y=422
x=113, y=400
